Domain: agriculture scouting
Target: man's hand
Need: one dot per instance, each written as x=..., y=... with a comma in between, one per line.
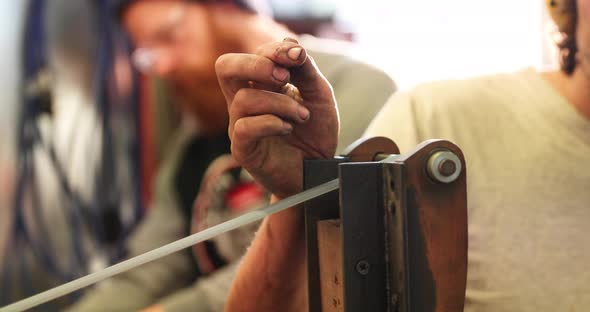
x=271, y=133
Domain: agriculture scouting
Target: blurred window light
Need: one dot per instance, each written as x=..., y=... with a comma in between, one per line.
x=424, y=40
x=11, y=13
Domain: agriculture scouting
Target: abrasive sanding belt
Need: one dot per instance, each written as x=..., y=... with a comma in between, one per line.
x=165, y=250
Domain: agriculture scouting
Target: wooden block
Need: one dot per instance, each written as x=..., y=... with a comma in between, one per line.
x=330, y=258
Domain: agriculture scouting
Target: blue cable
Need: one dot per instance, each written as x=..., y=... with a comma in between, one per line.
x=104, y=187
x=134, y=150
x=77, y=214
x=110, y=39
x=34, y=60
x=34, y=56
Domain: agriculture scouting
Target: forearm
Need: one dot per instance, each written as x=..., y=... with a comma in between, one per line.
x=271, y=134
x=272, y=276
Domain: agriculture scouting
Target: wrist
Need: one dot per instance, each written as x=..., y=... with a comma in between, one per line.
x=294, y=213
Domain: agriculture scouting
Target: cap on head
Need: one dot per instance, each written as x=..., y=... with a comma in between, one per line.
x=563, y=13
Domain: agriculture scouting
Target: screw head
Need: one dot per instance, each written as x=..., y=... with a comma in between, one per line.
x=447, y=167
x=444, y=166
x=363, y=267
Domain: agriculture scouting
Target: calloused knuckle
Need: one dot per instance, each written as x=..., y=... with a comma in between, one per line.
x=241, y=130
x=240, y=97
x=234, y=112
x=242, y=101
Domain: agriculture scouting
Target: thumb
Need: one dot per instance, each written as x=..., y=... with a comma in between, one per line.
x=310, y=81
x=307, y=77
x=304, y=73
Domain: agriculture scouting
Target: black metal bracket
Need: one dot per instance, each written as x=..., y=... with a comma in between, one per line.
x=393, y=248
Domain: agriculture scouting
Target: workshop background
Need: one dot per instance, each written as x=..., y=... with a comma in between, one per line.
x=414, y=41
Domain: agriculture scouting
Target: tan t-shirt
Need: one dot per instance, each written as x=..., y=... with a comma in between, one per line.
x=528, y=172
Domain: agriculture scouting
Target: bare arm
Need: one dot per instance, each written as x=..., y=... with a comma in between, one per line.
x=272, y=276
x=271, y=134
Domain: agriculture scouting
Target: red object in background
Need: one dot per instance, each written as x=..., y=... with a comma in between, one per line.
x=147, y=140
x=243, y=196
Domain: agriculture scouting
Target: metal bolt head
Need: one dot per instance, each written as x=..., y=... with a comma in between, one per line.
x=363, y=267
x=444, y=166
x=447, y=167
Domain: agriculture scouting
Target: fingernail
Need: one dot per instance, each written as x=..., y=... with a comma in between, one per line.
x=288, y=128
x=303, y=113
x=289, y=39
x=280, y=73
x=294, y=53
